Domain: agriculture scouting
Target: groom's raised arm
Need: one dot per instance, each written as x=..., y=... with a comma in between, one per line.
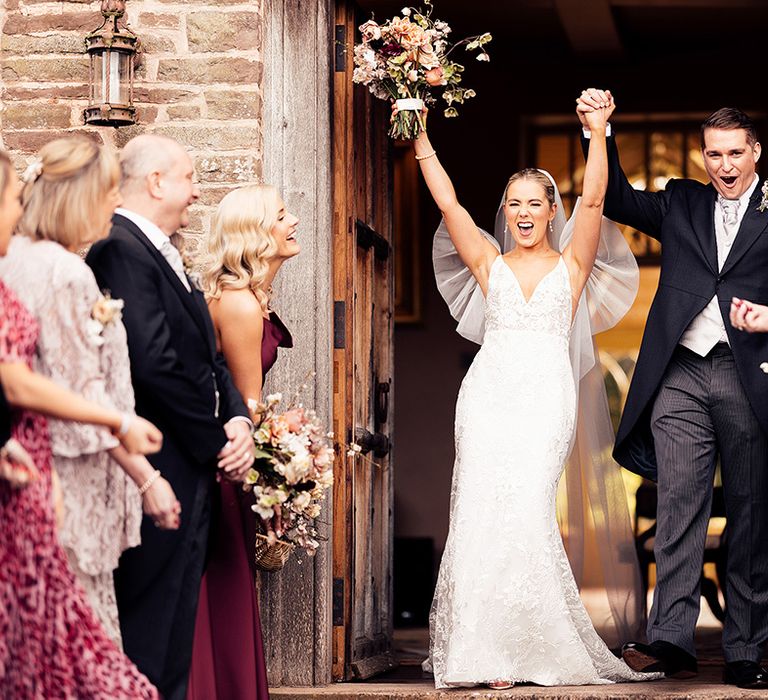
x=642, y=210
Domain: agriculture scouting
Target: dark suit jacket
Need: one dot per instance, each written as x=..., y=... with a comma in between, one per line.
x=176, y=373
x=682, y=219
x=175, y=368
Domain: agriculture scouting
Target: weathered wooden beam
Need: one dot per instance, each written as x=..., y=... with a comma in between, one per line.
x=296, y=602
x=589, y=26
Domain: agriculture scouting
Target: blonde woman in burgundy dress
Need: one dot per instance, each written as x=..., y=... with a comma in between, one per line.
x=252, y=235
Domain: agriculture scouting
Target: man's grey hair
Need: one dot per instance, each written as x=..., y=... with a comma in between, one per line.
x=144, y=155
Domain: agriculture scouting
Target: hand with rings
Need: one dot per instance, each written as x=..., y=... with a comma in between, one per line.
x=160, y=503
x=236, y=457
x=749, y=317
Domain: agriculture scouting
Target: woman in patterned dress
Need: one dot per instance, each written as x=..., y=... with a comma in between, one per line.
x=51, y=643
x=68, y=200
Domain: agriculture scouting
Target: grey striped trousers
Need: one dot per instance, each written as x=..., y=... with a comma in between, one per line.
x=700, y=412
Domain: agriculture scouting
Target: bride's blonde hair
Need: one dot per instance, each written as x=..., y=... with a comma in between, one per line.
x=237, y=251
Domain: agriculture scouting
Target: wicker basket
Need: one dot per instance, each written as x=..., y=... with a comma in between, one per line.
x=271, y=557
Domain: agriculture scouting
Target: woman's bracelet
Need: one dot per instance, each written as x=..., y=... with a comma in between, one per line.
x=148, y=483
x=125, y=424
x=429, y=155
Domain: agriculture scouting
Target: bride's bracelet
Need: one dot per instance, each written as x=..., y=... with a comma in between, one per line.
x=429, y=155
x=148, y=483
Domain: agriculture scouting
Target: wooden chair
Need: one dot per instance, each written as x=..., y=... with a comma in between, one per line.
x=715, y=549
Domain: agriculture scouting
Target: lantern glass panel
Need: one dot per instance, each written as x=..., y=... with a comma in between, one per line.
x=97, y=63
x=113, y=67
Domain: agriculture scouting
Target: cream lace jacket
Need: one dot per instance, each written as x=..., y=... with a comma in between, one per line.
x=102, y=504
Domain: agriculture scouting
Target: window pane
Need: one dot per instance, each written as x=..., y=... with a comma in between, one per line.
x=695, y=159
x=666, y=159
x=552, y=155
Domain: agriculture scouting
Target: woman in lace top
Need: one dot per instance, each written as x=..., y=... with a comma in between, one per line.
x=69, y=196
x=252, y=235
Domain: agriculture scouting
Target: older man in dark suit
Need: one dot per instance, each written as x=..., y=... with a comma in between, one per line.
x=698, y=394
x=184, y=387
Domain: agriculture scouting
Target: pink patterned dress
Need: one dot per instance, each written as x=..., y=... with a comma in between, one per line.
x=51, y=644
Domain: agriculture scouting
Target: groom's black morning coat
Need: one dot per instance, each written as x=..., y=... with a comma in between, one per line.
x=682, y=219
x=175, y=371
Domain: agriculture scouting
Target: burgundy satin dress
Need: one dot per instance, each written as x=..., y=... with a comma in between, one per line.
x=228, y=654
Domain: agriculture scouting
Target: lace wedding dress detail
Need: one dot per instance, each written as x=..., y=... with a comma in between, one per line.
x=506, y=606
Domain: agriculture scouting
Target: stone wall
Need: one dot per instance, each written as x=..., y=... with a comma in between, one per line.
x=198, y=79
x=246, y=87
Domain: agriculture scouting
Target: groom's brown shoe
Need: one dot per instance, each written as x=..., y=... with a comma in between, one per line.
x=660, y=657
x=745, y=674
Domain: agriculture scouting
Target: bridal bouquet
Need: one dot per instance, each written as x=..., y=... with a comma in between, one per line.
x=406, y=58
x=291, y=473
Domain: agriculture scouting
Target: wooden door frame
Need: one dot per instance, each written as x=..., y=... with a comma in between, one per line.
x=298, y=36
x=356, y=140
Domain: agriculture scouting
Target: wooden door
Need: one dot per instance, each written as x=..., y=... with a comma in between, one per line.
x=362, y=367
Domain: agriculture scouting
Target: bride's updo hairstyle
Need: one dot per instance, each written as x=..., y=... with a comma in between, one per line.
x=63, y=186
x=535, y=176
x=237, y=251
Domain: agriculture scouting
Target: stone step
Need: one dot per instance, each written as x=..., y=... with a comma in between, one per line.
x=706, y=686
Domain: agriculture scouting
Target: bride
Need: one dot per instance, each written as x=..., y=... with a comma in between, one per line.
x=506, y=606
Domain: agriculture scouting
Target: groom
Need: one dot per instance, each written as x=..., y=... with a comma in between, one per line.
x=698, y=394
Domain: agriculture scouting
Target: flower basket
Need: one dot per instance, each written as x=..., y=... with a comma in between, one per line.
x=292, y=470
x=271, y=556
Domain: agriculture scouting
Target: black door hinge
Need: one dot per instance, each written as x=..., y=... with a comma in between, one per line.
x=338, y=602
x=339, y=325
x=340, y=54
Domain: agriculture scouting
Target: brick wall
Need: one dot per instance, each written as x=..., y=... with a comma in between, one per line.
x=198, y=79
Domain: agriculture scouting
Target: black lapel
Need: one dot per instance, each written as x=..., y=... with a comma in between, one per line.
x=186, y=298
x=202, y=307
x=702, y=212
x=752, y=225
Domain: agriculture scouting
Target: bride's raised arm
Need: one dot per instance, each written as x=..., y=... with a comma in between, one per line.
x=475, y=251
x=582, y=250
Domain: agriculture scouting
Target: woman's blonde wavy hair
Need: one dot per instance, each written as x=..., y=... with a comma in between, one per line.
x=237, y=251
x=75, y=176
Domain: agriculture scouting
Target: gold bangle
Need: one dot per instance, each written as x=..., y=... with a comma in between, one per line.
x=429, y=155
x=148, y=483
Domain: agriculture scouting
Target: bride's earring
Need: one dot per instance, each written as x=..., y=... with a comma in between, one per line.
x=551, y=228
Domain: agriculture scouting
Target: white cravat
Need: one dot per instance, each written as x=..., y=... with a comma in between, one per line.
x=708, y=328
x=171, y=253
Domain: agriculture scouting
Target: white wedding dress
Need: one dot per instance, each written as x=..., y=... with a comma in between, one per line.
x=506, y=605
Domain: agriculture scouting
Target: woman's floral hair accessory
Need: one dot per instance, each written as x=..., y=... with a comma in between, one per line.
x=33, y=171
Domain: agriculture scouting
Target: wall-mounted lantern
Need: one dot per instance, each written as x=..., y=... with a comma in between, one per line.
x=112, y=50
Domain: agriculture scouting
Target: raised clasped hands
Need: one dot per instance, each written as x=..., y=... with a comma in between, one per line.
x=236, y=457
x=749, y=317
x=594, y=108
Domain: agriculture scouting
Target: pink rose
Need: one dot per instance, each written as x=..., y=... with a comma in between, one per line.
x=294, y=419
x=370, y=30
x=434, y=76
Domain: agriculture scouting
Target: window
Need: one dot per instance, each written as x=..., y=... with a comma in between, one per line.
x=651, y=154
